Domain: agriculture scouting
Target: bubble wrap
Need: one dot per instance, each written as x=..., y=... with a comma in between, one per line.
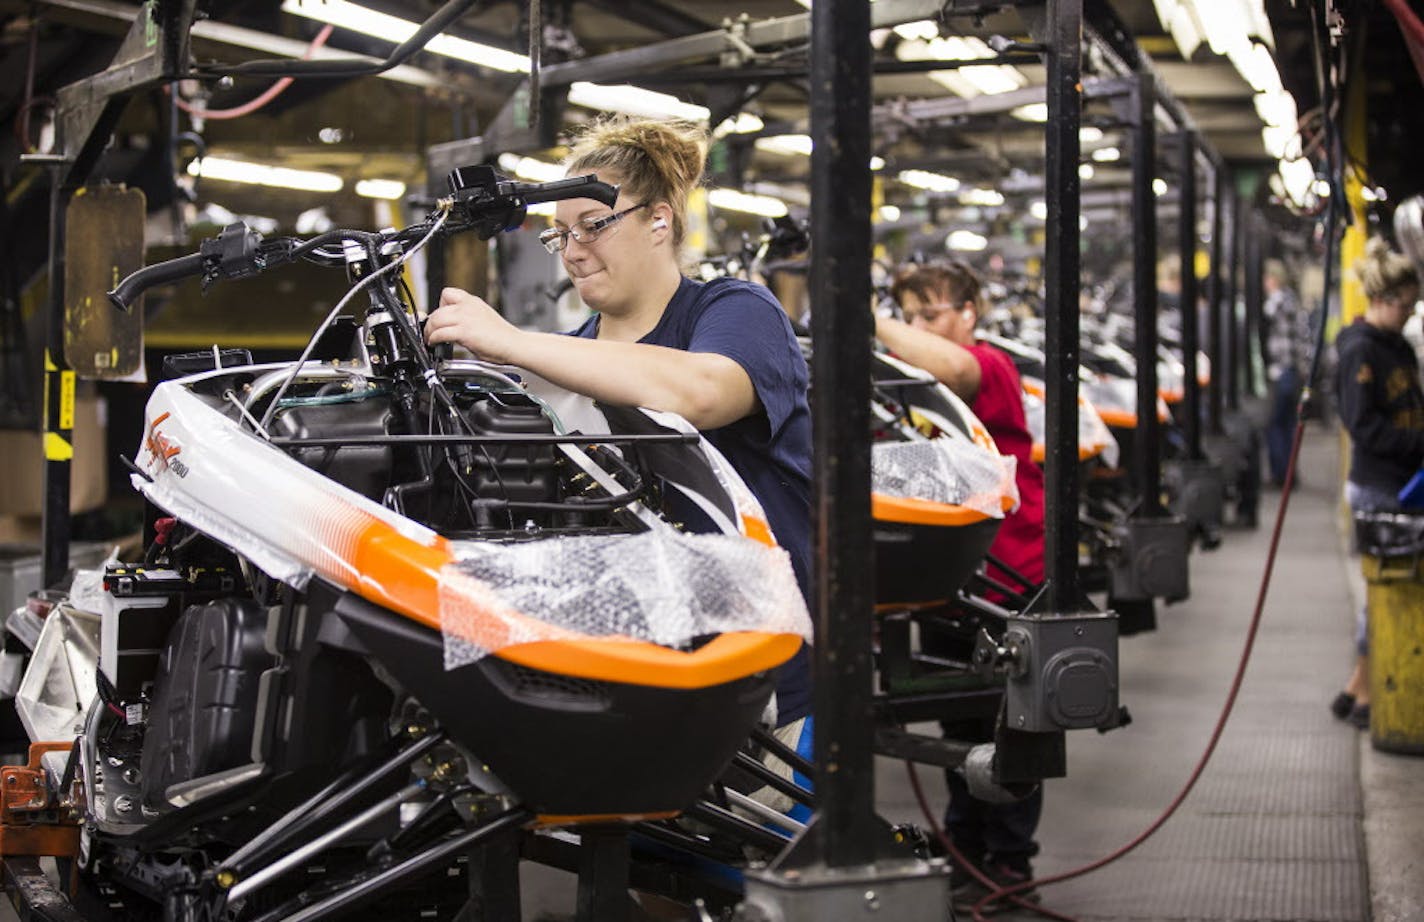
x=951, y=471
x=1093, y=434
x=661, y=586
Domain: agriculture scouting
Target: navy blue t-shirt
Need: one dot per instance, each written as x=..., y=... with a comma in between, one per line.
x=770, y=449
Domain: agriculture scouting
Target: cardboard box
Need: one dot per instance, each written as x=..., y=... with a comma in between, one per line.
x=22, y=465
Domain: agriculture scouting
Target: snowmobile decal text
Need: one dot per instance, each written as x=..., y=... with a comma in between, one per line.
x=164, y=449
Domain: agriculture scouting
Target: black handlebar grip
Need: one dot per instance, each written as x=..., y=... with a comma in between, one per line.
x=170, y=270
x=573, y=187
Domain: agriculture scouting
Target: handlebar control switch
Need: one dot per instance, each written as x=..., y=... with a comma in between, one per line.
x=1066, y=671
x=233, y=254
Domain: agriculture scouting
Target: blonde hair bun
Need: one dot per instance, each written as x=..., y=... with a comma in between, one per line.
x=1384, y=273
x=653, y=160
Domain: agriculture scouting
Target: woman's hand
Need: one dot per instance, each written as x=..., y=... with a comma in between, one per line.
x=468, y=321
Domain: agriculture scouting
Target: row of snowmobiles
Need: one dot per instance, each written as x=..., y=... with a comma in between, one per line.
x=404, y=620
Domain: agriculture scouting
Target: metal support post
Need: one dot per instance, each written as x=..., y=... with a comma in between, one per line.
x=1251, y=347
x=844, y=864
x=58, y=436
x=1187, y=242
x=1142, y=102
x=1233, y=332
x=1061, y=279
x=1213, y=301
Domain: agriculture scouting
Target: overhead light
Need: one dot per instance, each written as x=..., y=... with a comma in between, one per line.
x=330, y=135
x=1278, y=140
x=877, y=163
x=1297, y=177
x=1276, y=109
x=545, y=209
x=1371, y=194
x=741, y=123
x=1186, y=31
x=1086, y=171
x=632, y=100
x=891, y=213
x=967, y=81
x=1224, y=23
x=1165, y=10
x=1039, y=210
x=984, y=197
x=1090, y=134
x=1159, y=186
x=1033, y=112
x=380, y=188
x=1322, y=187
x=735, y=200
x=922, y=30
x=965, y=240
x=799, y=144
x=792, y=195
x=261, y=174
x=923, y=179
x=1257, y=68
x=346, y=15
x=1107, y=154
x=530, y=169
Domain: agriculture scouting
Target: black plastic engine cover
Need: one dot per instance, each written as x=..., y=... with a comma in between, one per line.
x=363, y=468
x=205, y=696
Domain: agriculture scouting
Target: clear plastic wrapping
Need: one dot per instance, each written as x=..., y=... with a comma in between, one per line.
x=662, y=586
x=952, y=471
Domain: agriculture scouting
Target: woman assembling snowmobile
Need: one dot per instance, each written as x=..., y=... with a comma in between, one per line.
x=721, y=354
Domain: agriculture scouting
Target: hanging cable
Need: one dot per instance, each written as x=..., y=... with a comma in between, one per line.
x=267, y=95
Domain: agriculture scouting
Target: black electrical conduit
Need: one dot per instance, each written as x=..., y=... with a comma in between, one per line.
x=1011, y=893
x=348, y=67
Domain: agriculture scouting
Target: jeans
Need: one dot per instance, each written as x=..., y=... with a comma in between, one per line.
x=1367, y=499
x=1280, y=427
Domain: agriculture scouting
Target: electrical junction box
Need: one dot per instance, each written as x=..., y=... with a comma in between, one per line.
x=1150, y=560
x=1064, y=674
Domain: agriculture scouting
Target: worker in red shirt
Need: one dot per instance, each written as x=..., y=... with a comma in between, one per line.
x=942, y=302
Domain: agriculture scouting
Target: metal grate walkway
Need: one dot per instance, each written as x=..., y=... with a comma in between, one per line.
x=1273, y=829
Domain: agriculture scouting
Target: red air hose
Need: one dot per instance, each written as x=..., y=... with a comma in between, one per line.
x=267, y=95
x=1010, y=893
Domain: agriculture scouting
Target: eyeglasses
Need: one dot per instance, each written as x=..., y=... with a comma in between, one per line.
x=585, y=231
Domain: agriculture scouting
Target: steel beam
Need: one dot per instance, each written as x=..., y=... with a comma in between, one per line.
x=844, y=828
x=1187, y=243
x=1061, y=284
x=1142, y=103
x=1213, y=302
x=1233, y=332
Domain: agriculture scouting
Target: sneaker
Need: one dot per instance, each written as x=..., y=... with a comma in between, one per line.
x=1359, y=716
x=1343, y=704
x=965, y=898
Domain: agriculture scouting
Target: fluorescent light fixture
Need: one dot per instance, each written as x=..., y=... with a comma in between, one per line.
x=1039, y=210
x=1091, y=134
x=260, y=174
x=1033, y=112
x=632, y=100
x=968, y=82
x=1107, y=154
x=546, y=209
x=1165, y=10
x=1224, y=23
x=891, y=213
x=1186, y=31
x=1321, y=187
x=1086, y=171
x=1257, y=68
x=923, y=179
x=798, y=195
x=345, y=15
x=985, y=197
x=799, y=144
x=1278, y=140
x=1276, y=109
x=741, y=123
x=965, y=240
x=922, y=30
x=530, y=169
x=877, y=163
x=380, y=188
x=734, y=200
x=1297, y=176
x=1159, y=186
